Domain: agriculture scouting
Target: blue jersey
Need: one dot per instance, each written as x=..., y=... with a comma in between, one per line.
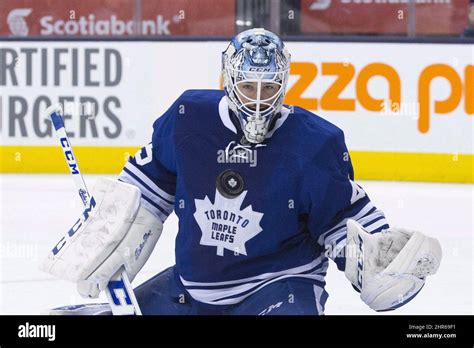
x=249, y=214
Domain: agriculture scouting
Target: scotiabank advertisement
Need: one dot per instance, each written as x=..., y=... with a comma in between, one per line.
x=383, y=16
x=57, y=18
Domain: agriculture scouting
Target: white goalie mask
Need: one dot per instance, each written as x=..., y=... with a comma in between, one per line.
x=255, y=67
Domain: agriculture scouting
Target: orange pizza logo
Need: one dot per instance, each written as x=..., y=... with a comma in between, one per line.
x=461, y=86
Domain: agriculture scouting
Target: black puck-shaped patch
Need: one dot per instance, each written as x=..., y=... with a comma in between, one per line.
x=230, y=183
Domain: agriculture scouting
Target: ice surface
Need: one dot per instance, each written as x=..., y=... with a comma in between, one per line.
x=36, y=210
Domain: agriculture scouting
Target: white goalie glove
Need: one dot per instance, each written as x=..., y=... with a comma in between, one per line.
x=389, y=268
x=117, y=232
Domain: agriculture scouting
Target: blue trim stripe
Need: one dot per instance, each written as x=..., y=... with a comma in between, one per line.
x=381, y=228
x=337, y=229
x=372, y=221
x=148, y=203
x=145, y=192
x=258, y=282
x=57, y=120
x=314, y=281
x=155, y=205
x=341, y=239
x=150, y=181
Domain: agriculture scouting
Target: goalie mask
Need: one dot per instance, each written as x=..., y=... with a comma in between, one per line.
x=255, y=67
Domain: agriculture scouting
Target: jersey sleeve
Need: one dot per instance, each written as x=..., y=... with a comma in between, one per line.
x=336, y=198
x=153, y=168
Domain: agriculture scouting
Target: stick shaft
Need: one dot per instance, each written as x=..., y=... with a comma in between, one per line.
x=119, y=290
x=70, y=157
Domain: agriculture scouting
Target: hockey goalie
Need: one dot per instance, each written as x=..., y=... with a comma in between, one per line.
x=265, y=196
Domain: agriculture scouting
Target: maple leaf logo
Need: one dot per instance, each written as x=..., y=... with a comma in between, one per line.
x=224, y=225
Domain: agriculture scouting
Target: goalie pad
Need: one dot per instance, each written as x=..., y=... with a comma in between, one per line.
x=389, y=268
x=117, y=232
x=82, y=309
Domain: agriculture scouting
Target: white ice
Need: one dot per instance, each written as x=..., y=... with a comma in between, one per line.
x=36, y=210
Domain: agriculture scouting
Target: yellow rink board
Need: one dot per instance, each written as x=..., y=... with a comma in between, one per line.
x=431, y=167
x=50, y=159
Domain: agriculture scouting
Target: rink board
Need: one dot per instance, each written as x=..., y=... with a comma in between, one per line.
x=110, y=160
x=407, y=110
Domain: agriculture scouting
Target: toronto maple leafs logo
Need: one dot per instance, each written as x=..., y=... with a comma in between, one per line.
x=232, y=182
x=224, y=225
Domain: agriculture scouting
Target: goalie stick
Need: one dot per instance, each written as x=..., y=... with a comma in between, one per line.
x=119, y=290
